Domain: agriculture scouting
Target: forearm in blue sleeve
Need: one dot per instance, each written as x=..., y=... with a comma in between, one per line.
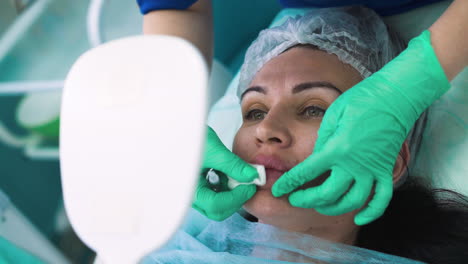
x=381, y=7
x=147, y=6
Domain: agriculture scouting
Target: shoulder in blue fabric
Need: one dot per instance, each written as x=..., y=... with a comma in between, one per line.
x=382, y=7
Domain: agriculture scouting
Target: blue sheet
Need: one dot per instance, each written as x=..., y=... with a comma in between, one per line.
x=237, y=240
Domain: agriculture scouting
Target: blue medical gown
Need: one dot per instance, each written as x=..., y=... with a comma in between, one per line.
x=383, y=7
x=236, y=240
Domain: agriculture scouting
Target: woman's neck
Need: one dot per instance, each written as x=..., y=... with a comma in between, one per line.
x=337, y=231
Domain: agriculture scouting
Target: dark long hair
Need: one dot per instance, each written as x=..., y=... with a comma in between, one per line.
x=420, y=223
x=429, y=225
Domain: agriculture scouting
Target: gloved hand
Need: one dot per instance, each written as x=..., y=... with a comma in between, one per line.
x=361, y=135
x=220, y=205
x=147, y=6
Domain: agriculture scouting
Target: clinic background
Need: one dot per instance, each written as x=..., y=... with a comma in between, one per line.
x=41, y=39
x=39, y=42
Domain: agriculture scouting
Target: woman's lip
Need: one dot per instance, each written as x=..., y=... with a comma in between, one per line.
x=271, y=162
x=274, y=168
x=272, y=176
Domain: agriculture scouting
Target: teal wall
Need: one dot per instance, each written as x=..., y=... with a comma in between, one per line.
x=236, y=24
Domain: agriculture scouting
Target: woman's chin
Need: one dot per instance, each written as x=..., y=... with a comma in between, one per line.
x=263, y=203
x=271, y=210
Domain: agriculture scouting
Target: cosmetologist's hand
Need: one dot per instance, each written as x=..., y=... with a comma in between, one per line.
x=361, y=135
x=220, y=205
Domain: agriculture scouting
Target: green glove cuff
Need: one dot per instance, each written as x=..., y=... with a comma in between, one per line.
x=419, y=84
x=426, y=68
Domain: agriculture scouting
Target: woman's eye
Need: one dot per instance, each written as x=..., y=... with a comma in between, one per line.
x=313, y=112
x=255, y=115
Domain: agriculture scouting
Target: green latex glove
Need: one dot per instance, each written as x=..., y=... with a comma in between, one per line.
x=220, y=205
x=362, y=133
x=9, y=253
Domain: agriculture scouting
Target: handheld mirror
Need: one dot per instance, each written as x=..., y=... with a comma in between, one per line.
x=131, y=132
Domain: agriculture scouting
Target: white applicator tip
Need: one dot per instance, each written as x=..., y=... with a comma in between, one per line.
x=260, y=181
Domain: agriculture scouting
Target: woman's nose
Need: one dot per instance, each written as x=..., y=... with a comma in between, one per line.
x=272, y=130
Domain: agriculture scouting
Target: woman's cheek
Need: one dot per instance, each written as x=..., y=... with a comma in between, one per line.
x=307, y=139
x=240, y=143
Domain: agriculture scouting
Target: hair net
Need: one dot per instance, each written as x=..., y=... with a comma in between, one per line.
x=357, y=35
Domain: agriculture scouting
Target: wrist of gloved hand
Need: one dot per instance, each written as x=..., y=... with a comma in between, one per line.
x=415, y=76
x=147, y=6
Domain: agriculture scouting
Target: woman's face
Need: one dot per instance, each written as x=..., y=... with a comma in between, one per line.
x=282, y=111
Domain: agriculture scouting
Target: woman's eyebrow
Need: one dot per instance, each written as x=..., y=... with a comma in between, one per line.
x=297, y=88
x=257, y=89
x=308, y=85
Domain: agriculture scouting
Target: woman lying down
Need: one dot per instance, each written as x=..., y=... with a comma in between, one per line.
x=290, y=76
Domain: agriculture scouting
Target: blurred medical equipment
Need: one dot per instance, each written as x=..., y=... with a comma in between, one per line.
x=34, y=36
x=214, y=179
x=15, y=227
x=34, y=105
x=18, y=230
x=28, y=115
x=20, y=5
x=39, y=46
x=237, y=240
x=10, y=253
x=260, y=181
x=39, y=110
x=8, y=14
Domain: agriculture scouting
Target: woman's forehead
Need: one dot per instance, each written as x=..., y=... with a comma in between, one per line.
x=302, y=64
